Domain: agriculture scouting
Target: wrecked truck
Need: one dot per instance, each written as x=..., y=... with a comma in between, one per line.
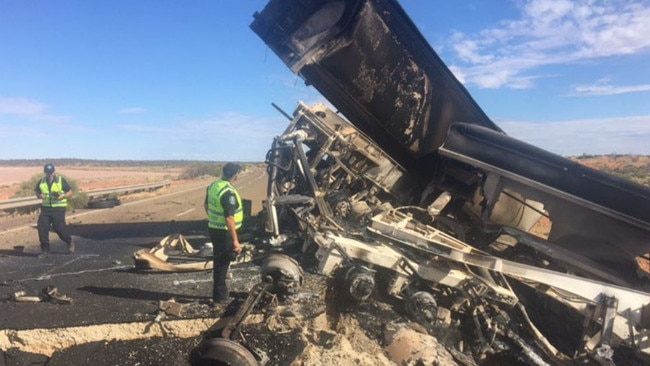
x=408, y=189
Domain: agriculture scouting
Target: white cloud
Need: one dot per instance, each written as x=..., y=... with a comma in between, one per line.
x=134, y=127
x=28, y=109
x=223, y=136
x=224, y=123
x=551, y=32
x=604, y=89
x=623, y=135
x=132, y=110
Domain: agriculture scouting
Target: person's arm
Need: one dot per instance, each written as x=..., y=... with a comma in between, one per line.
x=230, y=205
x=67, y=190
x=205, y=202
x=37, y=190
x=232, y=229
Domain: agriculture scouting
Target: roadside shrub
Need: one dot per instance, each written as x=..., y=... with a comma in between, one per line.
x=197, y=170
x=78, y=200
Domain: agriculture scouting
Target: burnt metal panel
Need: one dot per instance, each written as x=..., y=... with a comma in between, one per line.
x=371, y=62
x=621, y=197
x=600, y=216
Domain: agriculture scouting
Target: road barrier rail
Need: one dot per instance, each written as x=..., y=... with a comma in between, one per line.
x=21, y=202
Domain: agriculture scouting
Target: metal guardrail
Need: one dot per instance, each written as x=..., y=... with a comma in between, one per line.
x=31, y=201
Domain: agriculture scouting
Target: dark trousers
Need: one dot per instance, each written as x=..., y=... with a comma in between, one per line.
x=55, y=217
x=222, y=249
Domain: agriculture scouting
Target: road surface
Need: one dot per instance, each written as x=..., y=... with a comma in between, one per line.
x=115, y=316
x=110, y=300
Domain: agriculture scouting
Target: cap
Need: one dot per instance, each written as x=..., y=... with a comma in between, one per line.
x=48, y=168
x=230, y=170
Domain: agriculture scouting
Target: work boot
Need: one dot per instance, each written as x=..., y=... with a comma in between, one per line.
x=218, y=304
x=71, y=247
x=221, y=300
x=45, y=251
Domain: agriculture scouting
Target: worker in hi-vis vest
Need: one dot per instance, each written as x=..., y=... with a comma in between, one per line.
x=54, y=192
x=225, y=215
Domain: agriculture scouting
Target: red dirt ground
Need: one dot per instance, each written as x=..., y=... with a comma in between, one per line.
x=87, y=178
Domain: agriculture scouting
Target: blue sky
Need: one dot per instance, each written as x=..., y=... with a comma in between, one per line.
x=159, y=80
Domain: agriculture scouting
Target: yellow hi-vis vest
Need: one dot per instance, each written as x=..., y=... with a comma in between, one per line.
x=57, y=187
x=216, y=218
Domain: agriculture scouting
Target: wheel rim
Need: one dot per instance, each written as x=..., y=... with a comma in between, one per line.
x=221, y=351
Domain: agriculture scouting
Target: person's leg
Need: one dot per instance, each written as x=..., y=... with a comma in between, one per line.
x=43, y=225
x=221, y=262
x=61, y=228
x=219, y=273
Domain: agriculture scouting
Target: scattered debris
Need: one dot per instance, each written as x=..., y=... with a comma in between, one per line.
x=50, y=294
x=173, y=246
x=175, y=254
x=171, y=307
x=21, y=296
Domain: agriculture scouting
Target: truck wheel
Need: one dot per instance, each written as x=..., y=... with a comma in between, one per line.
x=284, y=271
x=221, y=351
x=103, y=203
x=422, y=308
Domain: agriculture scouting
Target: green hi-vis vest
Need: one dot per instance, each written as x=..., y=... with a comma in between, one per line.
x=57, y=187
x=216, y=218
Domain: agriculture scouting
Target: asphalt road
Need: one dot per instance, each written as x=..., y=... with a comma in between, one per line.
x=114, y=316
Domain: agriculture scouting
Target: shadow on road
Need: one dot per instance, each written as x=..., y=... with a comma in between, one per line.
x=136, y=294
x=139, y=229
x=15, y=253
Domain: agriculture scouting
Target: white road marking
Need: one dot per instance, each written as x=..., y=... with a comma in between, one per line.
x=76, y=258
x=186, y=212
x=49, y=276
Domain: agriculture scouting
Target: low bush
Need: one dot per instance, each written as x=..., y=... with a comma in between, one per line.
x=197, y=170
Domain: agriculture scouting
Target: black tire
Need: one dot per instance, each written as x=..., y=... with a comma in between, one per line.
x=221, y=351
x=103, y=203
x=422, y=308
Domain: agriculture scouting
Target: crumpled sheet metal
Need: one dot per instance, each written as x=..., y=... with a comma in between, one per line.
x=156, y=259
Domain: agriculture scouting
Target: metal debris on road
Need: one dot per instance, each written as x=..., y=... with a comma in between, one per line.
x=50, y=294
x=171, y=307
x=175, y=254
x=172, y=246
